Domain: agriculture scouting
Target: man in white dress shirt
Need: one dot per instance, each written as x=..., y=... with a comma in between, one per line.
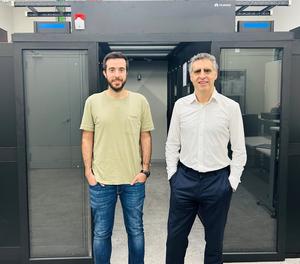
x=202, y=176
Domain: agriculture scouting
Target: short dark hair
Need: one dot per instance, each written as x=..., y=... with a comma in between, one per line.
x=114, y=55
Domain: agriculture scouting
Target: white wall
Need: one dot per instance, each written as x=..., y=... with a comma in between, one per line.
x=24, y=24
x=153, y=85
x=6, y=21
x=287, y=17
x=14, y=20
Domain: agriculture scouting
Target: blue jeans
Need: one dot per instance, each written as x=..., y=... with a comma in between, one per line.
x=103, y=201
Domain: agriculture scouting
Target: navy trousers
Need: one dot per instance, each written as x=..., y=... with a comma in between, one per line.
x=207, y=195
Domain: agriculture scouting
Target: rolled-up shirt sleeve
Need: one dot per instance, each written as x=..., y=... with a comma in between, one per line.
x=173, y=142
x=237, y=140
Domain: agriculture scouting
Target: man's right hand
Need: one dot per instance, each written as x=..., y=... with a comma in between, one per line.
x=90, y=177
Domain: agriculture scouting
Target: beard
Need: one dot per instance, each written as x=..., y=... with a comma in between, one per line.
x=115, y=88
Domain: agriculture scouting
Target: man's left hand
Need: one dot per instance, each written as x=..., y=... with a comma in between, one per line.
x=140, y=177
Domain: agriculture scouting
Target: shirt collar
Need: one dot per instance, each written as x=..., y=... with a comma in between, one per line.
x=214, y=97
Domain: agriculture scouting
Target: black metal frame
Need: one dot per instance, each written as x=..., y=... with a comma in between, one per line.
x=284, y=133
x=293, y=196
x=92, y=50
x=91, y=43
x=9, y=252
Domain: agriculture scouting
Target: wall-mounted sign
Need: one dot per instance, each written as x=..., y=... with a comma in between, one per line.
x=52, y=27
x=255, y=26
x=79, y=21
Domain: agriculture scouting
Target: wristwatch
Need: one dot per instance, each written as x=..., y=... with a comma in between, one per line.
x=147, y=173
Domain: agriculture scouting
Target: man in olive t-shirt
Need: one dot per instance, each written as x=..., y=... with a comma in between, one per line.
x=116, y=150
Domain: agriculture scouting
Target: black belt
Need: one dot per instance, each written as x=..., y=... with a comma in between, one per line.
x=186, y=168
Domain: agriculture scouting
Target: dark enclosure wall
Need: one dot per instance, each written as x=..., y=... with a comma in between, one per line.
x=9, y=191
x=155, y=17
x=293, y=196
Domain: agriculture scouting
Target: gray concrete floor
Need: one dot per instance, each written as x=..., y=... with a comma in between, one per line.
x=155, y=223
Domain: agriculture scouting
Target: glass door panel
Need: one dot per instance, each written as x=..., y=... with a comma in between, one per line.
x=56, y=86
x=252, y=77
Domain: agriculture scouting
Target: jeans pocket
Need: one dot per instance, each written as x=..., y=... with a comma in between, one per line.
x=93, y=186
x=139, y=183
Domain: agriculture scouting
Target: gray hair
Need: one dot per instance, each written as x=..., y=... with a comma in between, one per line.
x=202, y=56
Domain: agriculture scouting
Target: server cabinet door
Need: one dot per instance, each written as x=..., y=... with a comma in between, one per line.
x=56, y=86
x=252, y=74
x=293, y=195
x=9, y=191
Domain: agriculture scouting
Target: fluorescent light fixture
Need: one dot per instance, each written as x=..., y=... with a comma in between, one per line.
x=132, y=54
x=118, y=48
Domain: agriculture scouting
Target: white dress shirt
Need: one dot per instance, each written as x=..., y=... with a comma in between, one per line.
x=199, y=135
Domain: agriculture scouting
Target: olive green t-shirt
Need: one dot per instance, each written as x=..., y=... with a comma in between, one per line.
x=117, y=124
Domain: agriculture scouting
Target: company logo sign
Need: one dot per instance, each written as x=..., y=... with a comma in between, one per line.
x=222, y=5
